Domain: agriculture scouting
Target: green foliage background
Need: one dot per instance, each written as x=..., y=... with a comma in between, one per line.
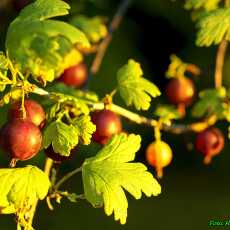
x=192, y=193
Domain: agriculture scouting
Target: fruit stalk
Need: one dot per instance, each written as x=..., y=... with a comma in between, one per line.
x=66, y=177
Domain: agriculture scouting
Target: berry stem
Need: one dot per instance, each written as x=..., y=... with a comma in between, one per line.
x=207, y=159
x=159, y=171
x=181, y=108
x=66, y=177
x=13, y=163
x=116, y=21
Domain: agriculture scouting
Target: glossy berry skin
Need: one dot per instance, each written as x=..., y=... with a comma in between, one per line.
x=107, y=124
x=57, y=158
x=21, y=139
x=210, y=142
x=34, y=112
x=159, y=155
x=180, y=91
x=75, y=76
x=20, y=4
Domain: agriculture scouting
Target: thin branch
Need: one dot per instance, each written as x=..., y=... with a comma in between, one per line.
x=227, y=3
x=136, y=118
x=66, y=177
x=139, y=119
x=220, y=63
x=116, y=21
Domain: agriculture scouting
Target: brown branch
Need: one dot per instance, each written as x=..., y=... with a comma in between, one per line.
x=136, y=118
x=220, y=63
x=116, y=21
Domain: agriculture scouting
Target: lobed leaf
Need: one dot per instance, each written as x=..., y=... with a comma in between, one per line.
x=167, y=113
x=214, y=27
x=78, y=103
x=110, y=172
x=80, y=94
x=44, y=47
x=21, y=187
x=210, y=102
x=198, y=4
x=3, y=62
x=62, y=137
x=85, y=128
x=134, y=89
x=94, y=27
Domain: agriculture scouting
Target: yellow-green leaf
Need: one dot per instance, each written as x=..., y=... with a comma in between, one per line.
x=214, y=27
x=21, y=187
x=112, y=171
x=85, y=128
x=41, y=45
x=94, y=28
x=63, y=137
x=134, y=89
x=198, y=4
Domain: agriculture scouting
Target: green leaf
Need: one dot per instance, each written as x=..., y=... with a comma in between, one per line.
x=68, y=90
x=85, y=128
x=167, y=113
x=3, y=62
x=94, y=27
x=226, y=111
x=210, y=102
x=43, y=9
x=78, y=103
x=134, y=89
x=62, y=137
x=44, y=47
x=214, y=27
x=110, y=171
x=176, y=68
x=198, y=4
x=21, y=187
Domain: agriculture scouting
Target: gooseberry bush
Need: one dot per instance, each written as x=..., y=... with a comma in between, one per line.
x=46, y=57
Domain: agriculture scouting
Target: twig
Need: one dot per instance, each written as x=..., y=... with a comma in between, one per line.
x=220, y=58
x=174, y=128
x=116, y=21
x=220, y=63
x=66, y=177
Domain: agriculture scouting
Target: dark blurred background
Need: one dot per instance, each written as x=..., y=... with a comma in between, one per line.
x=192, y=194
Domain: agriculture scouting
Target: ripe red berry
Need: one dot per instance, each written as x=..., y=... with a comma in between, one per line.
x=21, y=139
x=180, y=91
x=210, y=142
x=107, y=124
x=75, y=76
x=20, y=4
x=159, y=155
x=57, y=158
x=34, y=112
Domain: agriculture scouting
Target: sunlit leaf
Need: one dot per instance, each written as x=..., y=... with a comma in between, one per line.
x=110, y=172
x=134, y=89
